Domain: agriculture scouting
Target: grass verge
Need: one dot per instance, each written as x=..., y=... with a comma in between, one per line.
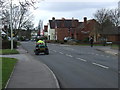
x=8, y=51
x=7, y=67
x=115, y=46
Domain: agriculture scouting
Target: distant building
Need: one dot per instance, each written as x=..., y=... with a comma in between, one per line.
x=58, y=29
x=87, y=28
x=61, y=28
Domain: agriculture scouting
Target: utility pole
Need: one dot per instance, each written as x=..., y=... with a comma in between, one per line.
x=11, y=25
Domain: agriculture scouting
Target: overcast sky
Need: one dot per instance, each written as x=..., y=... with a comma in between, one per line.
x=70, y=8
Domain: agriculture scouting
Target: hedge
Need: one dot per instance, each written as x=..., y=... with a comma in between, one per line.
x=7, y=44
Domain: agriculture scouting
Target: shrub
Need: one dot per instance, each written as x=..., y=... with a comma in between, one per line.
x=22, y=39
x=7, y=44
x=86, y=40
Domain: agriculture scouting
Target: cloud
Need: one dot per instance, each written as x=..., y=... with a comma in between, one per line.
x=81, y=0
x=72, y=6
x=78, y=10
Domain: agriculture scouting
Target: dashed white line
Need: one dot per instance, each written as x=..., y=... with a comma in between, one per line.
x=54, y=51
x=82, y=59
x=61, y=53
x=100, y=65
x=69, y=55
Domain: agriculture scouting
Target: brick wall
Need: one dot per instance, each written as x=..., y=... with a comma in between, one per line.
x=113, y=38
x=61, y=33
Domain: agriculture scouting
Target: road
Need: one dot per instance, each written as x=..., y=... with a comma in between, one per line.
x=79, y=66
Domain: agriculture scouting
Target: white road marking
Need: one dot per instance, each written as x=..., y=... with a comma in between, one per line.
x=54, y=50
x=69, y=55
x=97, y=54
x=61, y=53
x=82, y=59
x=100, y=65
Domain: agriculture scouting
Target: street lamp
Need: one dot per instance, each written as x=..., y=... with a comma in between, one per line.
x=11, y=25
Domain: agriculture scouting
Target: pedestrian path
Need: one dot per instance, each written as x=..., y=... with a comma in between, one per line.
x=30, y=73
x=108, y=50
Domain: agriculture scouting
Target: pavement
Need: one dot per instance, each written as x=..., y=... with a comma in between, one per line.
x=30, y=73
x=109, y=50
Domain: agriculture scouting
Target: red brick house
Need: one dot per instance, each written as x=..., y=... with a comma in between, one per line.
x=87, y=28
x=81, y=30
x=111, y=34
x=64, y=27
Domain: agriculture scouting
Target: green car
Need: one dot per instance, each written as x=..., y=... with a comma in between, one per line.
x=41, y=49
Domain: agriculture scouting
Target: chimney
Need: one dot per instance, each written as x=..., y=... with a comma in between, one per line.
x=73, y=22
x=85, y=21
x=63, y=23
x=53, y=18
x=63, y=18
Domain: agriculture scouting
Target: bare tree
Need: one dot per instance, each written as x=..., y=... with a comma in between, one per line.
x=114, y=16
x=103, y=17
x=22, y=18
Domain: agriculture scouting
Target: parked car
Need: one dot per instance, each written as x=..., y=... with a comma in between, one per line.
x=66, y=39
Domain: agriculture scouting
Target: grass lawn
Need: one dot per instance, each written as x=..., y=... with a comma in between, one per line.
x=8, y=51
x=115, y=46
x=7, y=67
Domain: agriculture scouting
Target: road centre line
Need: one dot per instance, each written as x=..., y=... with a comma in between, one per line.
x=100, y=65
x=54, y=50
x=61, y=53
x=69, y=55
x=82, y=59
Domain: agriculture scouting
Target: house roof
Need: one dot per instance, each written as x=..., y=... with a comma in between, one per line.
x=107, y=30
x=59, y=22
x=81, y=24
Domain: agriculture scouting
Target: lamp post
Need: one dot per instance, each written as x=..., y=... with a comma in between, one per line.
x=11, y=25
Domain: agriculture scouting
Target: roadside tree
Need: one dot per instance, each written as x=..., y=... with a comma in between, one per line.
x=106, y=20
x=21, y=15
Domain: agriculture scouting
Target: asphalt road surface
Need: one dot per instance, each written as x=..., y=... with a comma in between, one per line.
x=79, y=66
